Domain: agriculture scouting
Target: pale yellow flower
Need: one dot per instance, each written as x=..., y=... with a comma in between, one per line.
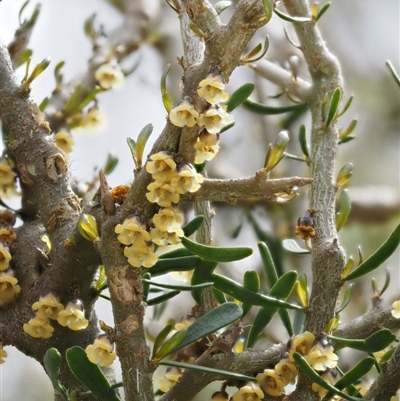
x=101, y=351
x=7, y=236
x=5, y=257
x=207, y=147
x=212, y=89
x=48, y=307
x=64, y=140
x=187, y=179
x=171, y=376
x=38, y=328
x=164, y=194
x=184, y=114
x=162, y=166
x=301, y=343
x=185, y=276
x=94, y=119
x=322, y=357
x=186, y=321
x=132, y=230
x=250, y=392
x=169, y=219
x=3, y=354
x=164, y=238
x=142, y=255
x=73, y=316
x=109, y=75
x=396, y=397
x=270, y=382
x=287, y=370
x=7, y=179
x=215, y=118
x=396, y=309
x=9, y=288
x=330, y=377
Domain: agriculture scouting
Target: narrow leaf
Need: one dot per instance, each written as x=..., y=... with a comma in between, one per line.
x=378, y=258
x=268, y=263
x=344, y=175
x=212, y=371
x=89, y=374
x=162, y=298
x=213, y=320
x=221, y=6
x=251, y=281
x=191, y=227
x=302, y=290
x=167, y=265
x=178, y=287
x=346, y=107
x=111, y=163
x=167, y=101
x=132, y=148
x=277, y=151
x=295, y=20
x=374, y=343
x=52, y=364
x=281, y=290
x=176, y=253
x=268, y=110
x=292, y=246
x=334, y=106
x=345, y=208
x=161, y=336
x=322, y=11
x=217, y=254
x=43, y=104
x=242, y=294
x=344, y=134
x=393, y=72
x=141, y=143
x=164, y=78
x=303, y=141
x=346, y=298
x=239, y=96
x=87, y=227
x=171, y=344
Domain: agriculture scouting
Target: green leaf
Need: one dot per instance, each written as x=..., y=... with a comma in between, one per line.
x=87, y=227
x=347, y=139
x=213, y=320
x=171, y=344
x=23, y=58
x=73, y=102
x=344, y=175
x=345, y=208
x=52, y=364
x=39, y=68
x=268, y=10
x=212, y=371
x=132, y=147
x=277, y=151
x=242, y=294
x=268, y=110
x=111, y=163
x=216, y=254
x=378, y=258
x=344, y=135
x=334, y=106
x=295, y=20
x=281, y=290
x=268, y=263
x=178, y=287
x=322, y=11
x=89, y=97
x=302, y=290
x=167, y=102
x=251, y=281
x=239, y=96
x=167, y=265
x=202, y=274
x=303, y=141
x=43, y=104
x=393, y=72
x=162, y=298
x=161, y=336
x=193, y=225
x=316, y=378
x=89, y=374
x=346, y=107
x=292, y=246
x=176, y=253
x=164, y=78
x=221, y=6
x=298, y=321
x=346, y=298
x=141, y=143
x=146, y=285
x=247, y=59
x=374, y=343
x=351, y=377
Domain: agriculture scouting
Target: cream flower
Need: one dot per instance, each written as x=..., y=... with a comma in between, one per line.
x=396, y=309
x=212, y=89
x=94, y=119
x=396, y=397
x=7, y=179
x=270, y=382
x=171, y=376
x=184, y=114
x=5, y=257
x=185, y=276
x=169, y=219
x=73, y=316
x=207, y=147
x=9, y=288
x=3, y=354
x=162, y=166
x=322, y=357
x=250, y=392
x=215, y=118
x=164, y=238
x=164, y=194
x=187, y=179
x=7, y=236
x=186, y=321
x=287, y=370
x=64, y=140
x=109, y=76
x=101, y=351
x=330, y=377
x=301, y=343
x=132, y=230
x=48, y=307
x=38, y=328
x=142, y=255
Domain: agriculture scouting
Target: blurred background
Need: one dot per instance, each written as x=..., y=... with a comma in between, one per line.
x=363, y=34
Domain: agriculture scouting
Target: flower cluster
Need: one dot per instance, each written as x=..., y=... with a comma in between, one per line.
x=167, y=226
x=9, y=288
x=101, y=351
x=7, y=179
x=49, y=308
x=213, y=120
